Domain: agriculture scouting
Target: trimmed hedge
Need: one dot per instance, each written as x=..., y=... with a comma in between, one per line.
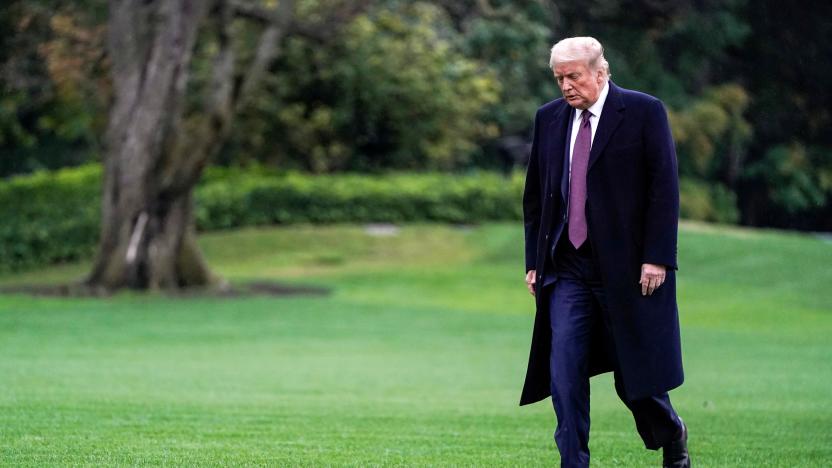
x=240, y=199
x=51, y=217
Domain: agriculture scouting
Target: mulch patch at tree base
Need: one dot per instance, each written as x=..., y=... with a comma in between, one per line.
x=253, y=288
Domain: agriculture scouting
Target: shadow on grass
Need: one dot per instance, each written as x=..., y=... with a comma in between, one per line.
x=251, y=288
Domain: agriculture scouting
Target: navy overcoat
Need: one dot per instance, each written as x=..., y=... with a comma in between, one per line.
x=632, y=213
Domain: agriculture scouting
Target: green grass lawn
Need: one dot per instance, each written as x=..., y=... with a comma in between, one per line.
x=416, y=358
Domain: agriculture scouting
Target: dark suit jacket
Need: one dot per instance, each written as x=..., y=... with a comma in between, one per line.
x=632, y=213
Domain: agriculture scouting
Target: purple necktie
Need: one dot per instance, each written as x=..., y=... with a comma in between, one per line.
x=577, y=182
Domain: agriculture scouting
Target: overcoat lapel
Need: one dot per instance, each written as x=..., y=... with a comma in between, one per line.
x=558, y=156
x=564, y=178
x=611, y=117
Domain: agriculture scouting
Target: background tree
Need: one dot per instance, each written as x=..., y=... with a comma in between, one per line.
x=164, y=126
x=53, y=91
x=393, y=90
x=786, y=63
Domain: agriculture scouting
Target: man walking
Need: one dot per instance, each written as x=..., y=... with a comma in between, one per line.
x=601, y=209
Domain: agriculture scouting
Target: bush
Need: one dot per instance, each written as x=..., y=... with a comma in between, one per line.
x=705, y=201
x=51, y=217
x=243, y=199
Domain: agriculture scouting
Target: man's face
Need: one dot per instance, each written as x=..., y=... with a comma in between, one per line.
x=580, y=85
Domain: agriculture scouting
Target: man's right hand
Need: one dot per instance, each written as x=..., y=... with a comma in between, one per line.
x=531, y=279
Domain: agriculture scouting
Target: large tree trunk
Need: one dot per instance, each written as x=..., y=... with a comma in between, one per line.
x=154, y=156
x=155, y=147
x=146, y=218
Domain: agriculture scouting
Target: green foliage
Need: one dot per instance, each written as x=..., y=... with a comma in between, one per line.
x=392, y=92
x=707, y=202
x=710, y=131
x=669, y=49
x=787, y=71
x=415, y=100
x=49, y=217
x=251, y=199
x=793, y=182
x=53, y=93
x=515, y=47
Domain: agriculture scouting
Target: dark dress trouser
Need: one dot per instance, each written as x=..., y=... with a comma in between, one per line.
x=576, y=305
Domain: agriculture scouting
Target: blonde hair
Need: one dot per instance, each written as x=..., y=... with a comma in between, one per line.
x=587, y=49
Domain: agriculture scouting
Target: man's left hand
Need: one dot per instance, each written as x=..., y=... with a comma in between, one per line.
x=652, y=276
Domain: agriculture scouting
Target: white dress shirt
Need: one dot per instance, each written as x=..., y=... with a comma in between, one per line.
x=595, y=109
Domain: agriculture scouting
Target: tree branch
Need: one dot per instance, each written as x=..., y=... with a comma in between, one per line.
x=268, y=48
x=321, y=31
x=255, y=12
x=202, y=135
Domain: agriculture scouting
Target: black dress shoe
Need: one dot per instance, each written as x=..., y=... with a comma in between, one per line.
x=675, y=454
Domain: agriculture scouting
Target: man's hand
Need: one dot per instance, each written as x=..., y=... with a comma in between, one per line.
x=652, y=276
x=531, y=278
